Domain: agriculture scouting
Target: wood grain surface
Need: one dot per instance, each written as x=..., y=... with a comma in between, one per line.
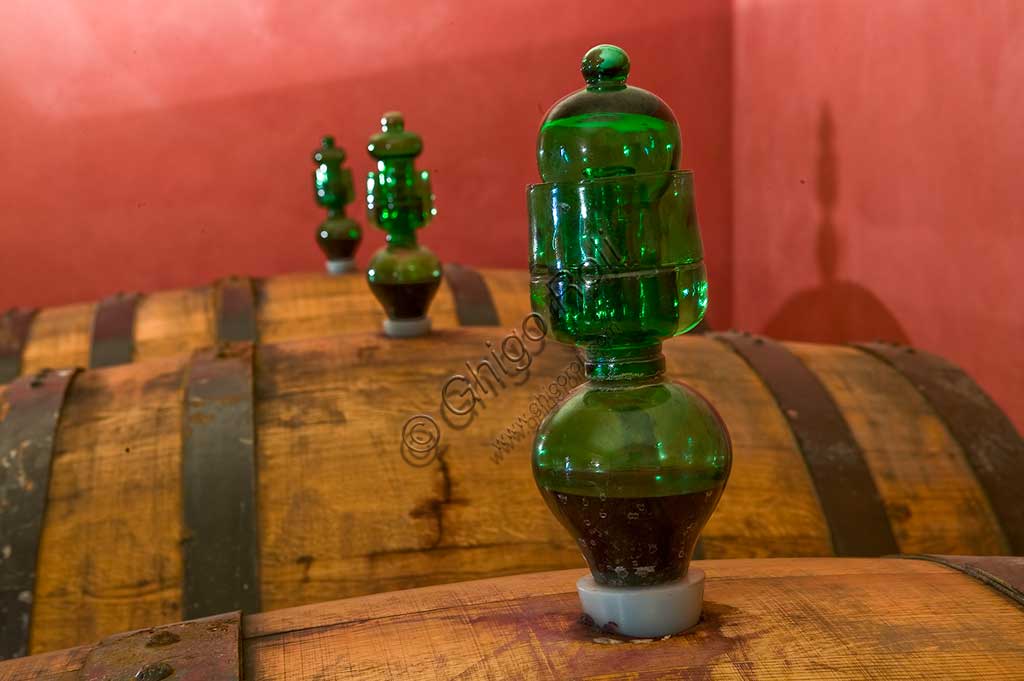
x=803, y=619
x=932, y=499
x=59, y=338
x=343, y=510
x=110, y=556
x=288, y=307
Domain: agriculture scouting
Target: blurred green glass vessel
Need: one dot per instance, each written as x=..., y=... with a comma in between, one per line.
x=339, y=235
x=404, y=276
x=631, y=464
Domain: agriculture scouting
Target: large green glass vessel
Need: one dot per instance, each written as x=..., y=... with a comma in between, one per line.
x=404, y=276
x=339, y=235
x=631, y=464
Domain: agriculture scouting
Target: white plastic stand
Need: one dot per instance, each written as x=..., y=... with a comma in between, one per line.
x=341, y=266
x=406, y=328
x=644, y=611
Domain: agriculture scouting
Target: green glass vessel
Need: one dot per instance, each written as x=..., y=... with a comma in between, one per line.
x=403, y=275
x=339, y=235
x=631, y=464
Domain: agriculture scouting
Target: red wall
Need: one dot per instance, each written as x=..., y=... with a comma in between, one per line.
x=165, y=144
x=878, y=189
x=869, y=149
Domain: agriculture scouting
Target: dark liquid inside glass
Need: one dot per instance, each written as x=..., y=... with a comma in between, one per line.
x=635, y=541
x=406, y=301
x=339, y=248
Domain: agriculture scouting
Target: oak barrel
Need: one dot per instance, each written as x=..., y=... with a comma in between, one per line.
x=259, y=477
x=129, y=327
x=945, y=617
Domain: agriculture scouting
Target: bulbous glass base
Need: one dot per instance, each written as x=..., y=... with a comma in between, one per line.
x=633, y=468
x=404, y=280
x=339, y=237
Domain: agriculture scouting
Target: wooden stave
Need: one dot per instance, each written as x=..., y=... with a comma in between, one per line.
x=283, y=575
x=763, y=619
x=137, y=327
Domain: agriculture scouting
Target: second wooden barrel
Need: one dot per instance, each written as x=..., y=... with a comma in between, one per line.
x=950, y=618
x=267, y=476
x=131, y=327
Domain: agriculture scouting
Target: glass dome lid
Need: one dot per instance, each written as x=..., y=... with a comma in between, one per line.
x=328, y=152
x=608, y=128
x=393, y=140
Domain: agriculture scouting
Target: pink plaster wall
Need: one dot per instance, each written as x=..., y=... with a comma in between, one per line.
x=878, y=191
x=164, y=144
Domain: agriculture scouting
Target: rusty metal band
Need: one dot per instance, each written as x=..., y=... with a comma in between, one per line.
x=474, y=305
x=1005, y=574
x=993, y=447
x=847, y=493
x=236, y=310
x=14, y=327
x=208, y=649
x=113, y=331
x=221, y=551
x=29, y=414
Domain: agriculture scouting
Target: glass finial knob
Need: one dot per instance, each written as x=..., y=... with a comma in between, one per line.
x=329, y=152
x=605, y=65
x=393, y=140
x=392, y=121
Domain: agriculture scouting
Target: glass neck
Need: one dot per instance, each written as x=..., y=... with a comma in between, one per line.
x=624, y=363
x=402, y=238
x=336, y=212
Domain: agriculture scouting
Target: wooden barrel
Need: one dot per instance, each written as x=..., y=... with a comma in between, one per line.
x=943, y=617
x=130, y=327
x=268, y=476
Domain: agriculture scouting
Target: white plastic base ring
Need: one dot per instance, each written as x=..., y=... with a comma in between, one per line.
x=644, y=611
x=340, y=266
x=406, y=328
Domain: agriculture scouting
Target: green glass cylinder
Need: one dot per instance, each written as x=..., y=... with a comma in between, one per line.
x=618, y=259
x=403, y=275
x=339, y=235
x=631, y=464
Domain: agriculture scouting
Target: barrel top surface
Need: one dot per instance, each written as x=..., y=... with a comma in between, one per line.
x=121, y=328
x=763, y=619
x=384, y=606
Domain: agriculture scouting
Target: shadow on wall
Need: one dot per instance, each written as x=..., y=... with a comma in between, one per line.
x=835, y=311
